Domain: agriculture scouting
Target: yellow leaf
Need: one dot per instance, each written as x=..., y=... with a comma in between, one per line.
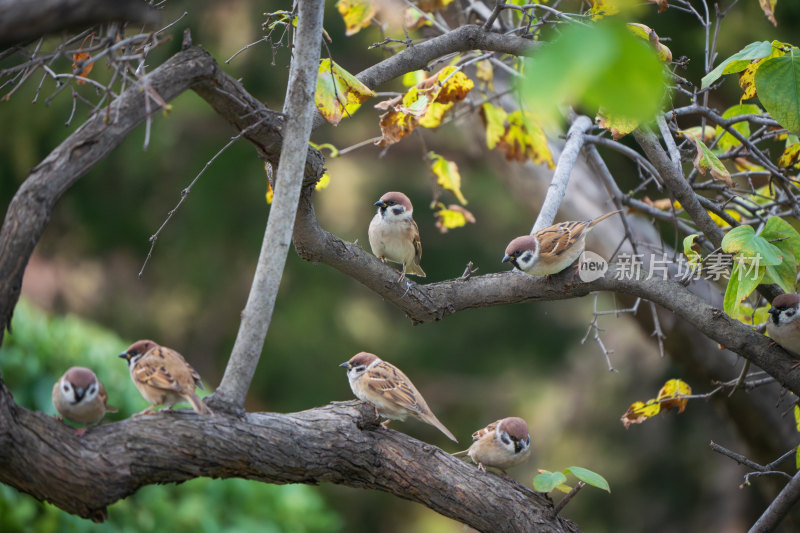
x=668, y=395
x=452, y=216
x=603, y=8
x=797, y=416
x=638, y=412
x=447, y=175
x=456, y=86
x=495, y=120
x=485, y=73
x=768, y=7
x=790, y=156
x=662, y=4
x=435, y=114
x=414, y=77
x=522, y=137
x=269, y=192
x=618, y=126
x=747, y=80
x=648, y=34
x=414, y=18
x=357, y=14
x=338, y=92
x=323, y=182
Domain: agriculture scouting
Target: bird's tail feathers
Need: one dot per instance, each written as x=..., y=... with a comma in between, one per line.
x=432, y=420
x=199, y=405
x=603, y=217
x=415, y=270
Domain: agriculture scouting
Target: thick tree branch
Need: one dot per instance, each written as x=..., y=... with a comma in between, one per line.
x=30, y=209
x=340, y=443
x=299, y=109
x=23, y=20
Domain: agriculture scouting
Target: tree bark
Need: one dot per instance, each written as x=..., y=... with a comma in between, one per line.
x=341, y=443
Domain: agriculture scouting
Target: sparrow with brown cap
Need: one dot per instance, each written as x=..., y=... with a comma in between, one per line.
x=501, y=444
x=552, y=249
x=391, y=392
x=163, y=376
x=783, y=325
x=393, y=234
x=80, y=397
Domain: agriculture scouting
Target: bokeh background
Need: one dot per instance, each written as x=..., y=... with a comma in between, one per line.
x=83, y=303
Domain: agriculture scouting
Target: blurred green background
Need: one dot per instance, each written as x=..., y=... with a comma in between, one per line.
x=83, y=303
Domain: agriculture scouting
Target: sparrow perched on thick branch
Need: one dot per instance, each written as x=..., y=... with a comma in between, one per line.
x=391, y=392
x=552, y=249
x=501, y=444
x=163, y=376
x=393, y=234
x=80, y=397
x=783, y=325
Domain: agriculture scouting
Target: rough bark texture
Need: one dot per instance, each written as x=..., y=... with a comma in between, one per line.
x=341, y=443
x=23, y=20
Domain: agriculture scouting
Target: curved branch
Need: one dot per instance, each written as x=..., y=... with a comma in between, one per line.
x=22, y=20
x=341, y=443
x=30, y=209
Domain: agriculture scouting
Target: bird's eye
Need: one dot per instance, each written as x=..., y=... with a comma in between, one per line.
x=92, y=389
x=528, y=440
x=504, y=438
x=790, y=312
x=66, y=387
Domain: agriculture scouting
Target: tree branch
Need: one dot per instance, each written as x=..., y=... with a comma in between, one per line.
x=341, y=443
x=779, y=507
x=30, y=209
x=566, y=162
x=23, y=20
x=299, y=108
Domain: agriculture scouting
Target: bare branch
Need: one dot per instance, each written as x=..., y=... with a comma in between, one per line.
x=566, y=162
x=299, y=107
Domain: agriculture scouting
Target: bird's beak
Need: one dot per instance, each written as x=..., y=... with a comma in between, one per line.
x=124, y=355
x=346, y=364
x=79, y=393
x=774, y=311
x=380, y=203
x=506, y=258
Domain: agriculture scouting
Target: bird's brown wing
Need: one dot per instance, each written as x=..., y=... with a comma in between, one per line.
x=557, y=239
x=160, y=368
x=485, y=431
x=417, y=242
x=101, y=392
x=388, y=381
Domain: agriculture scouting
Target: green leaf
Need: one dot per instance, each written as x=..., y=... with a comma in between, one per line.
x=693, y=258
x=743, y=281
x=797, y=457
x=785, y=238
x=547, y=481
x=751, y=248
x=590, y=478
x=778, y=86
x=735, y=239
x=797, y=416
x=728, y=141
x=738, y=61
x=599, y=65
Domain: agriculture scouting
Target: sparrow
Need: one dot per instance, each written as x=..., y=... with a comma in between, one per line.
x=783, y=325
x=393, y=234
x=501, y=444
x=552, y=249
x=163, y=376
x=80, y=397
x=391, y=392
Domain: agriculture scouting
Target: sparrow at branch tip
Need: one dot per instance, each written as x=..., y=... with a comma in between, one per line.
x=501, y=444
